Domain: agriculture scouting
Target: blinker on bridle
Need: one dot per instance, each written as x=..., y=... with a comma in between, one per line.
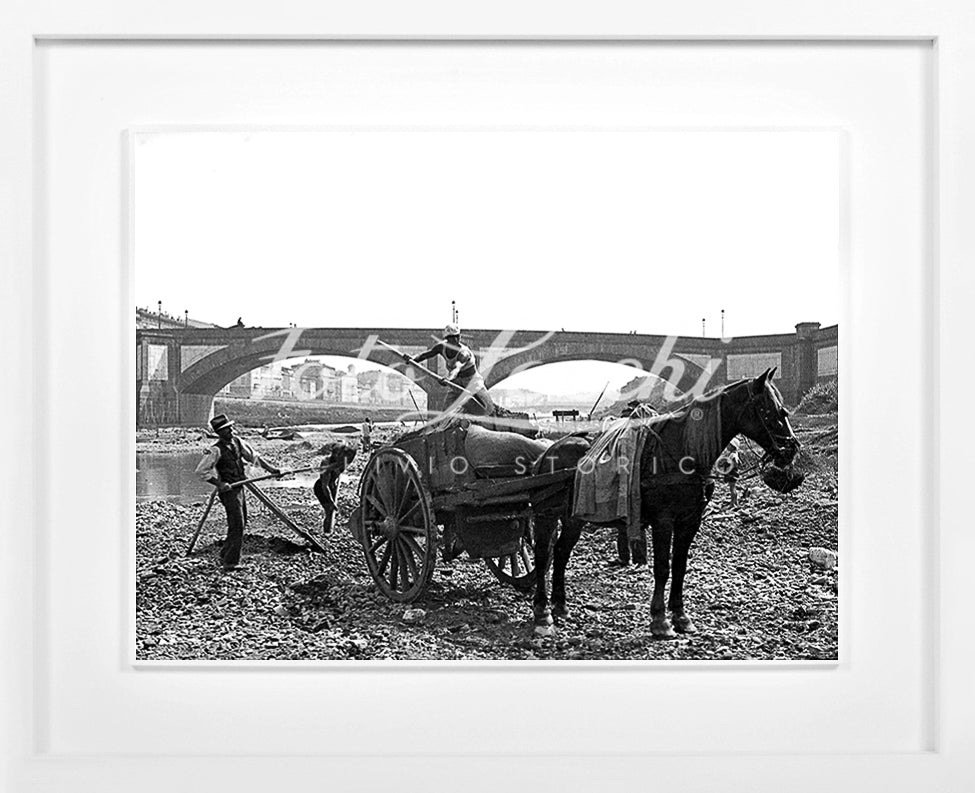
x=780, y=443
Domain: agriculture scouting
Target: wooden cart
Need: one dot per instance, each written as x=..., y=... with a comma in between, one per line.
x=421, y=495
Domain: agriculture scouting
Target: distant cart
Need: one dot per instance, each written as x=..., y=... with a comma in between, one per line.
x=422, y=495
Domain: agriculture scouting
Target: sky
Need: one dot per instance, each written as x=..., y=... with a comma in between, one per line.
x=586, y=230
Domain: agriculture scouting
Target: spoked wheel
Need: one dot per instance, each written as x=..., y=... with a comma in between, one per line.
x=399, y=535
x=518, y=568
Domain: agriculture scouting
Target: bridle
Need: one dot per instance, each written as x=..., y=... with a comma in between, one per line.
x=781, y=444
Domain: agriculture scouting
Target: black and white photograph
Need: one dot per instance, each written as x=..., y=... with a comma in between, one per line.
x=451, y=394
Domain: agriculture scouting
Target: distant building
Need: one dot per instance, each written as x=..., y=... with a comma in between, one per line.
x=349, y=387
x=288, y=382
x=313, y=380
x=331, y=384
x=241, y=387
x=266, y=383
x=310, y=381
x=384, y=387
x=397, y=390
x=371, y=386
x=519, y=398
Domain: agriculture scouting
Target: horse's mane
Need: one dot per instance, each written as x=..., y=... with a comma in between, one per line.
x=696, y=427
x=702, y=431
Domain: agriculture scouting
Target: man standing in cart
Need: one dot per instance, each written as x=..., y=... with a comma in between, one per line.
x=221, y=466
x=461, y=367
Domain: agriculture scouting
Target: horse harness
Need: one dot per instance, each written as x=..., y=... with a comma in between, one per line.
x=778, y=448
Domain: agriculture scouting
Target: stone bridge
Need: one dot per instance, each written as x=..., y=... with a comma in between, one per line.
x=179, y=370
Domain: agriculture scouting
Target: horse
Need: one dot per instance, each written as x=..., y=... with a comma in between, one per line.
x=675, y=465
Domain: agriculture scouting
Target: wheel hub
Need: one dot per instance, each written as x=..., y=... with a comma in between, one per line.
x=389, y=527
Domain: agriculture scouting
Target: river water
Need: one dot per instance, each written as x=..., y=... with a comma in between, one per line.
x=172, y=477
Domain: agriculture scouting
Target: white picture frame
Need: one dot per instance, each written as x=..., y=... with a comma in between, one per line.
x=39, y=753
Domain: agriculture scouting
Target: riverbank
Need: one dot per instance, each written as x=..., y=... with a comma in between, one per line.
x=270, y=413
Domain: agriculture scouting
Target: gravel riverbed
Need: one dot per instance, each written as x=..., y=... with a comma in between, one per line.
x=751, y=587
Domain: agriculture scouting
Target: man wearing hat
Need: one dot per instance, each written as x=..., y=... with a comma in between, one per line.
x=221, y=466
x=461, y=366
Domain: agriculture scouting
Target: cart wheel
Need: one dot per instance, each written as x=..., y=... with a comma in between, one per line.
x=516, y=569
x=398, y=532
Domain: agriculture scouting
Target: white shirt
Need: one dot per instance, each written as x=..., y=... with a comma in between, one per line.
x=207, y=468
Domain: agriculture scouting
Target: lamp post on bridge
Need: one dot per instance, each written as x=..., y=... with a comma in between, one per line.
x=159, y=314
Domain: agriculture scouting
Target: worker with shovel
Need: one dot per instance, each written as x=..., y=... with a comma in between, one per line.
x=462, y=366
x=223, y=465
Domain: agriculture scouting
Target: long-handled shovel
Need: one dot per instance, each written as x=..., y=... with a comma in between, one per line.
x=434, y=375
x=263, y=498
x=203, y=519
x=419, y=416
x=598, y=400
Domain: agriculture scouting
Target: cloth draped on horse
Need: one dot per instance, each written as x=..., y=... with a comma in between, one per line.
x=607, y=479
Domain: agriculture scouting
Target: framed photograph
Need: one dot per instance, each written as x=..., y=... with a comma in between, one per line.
x=556, y=405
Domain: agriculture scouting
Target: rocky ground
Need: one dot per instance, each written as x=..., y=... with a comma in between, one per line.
x=752, y=589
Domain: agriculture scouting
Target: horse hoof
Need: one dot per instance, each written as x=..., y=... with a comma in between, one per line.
x=544, y=624
x=559, y=611
x=662, y=630
x=684, y=625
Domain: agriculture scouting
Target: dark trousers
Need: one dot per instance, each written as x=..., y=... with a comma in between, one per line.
x=475, y=385
x=326, y=498
x=627, y=548
x=236, y=507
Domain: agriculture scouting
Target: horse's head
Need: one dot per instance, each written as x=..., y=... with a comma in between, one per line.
x=764, y=419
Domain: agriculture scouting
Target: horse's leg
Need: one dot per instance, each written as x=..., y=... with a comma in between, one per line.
x=568, y=537
x=661, y=534
x=638, y=549
x=684, y=533
x=622, y=547
x=544, y=531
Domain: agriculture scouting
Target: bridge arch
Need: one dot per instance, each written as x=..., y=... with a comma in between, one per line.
x=198, y=383
x=688, y=378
